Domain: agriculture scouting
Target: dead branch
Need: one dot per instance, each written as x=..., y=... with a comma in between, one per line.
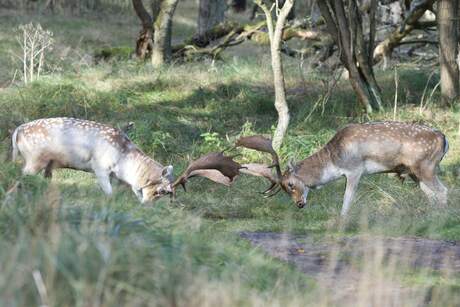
x=231, y=34
x=385, y=48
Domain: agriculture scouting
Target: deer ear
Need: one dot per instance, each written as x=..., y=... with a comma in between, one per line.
x=291, y=166
x=167, y=172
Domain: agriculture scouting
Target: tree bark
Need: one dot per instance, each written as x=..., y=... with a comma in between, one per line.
x=448, y=50
x=238, y=6
x=210, y=14
x=280, y=3
x=275, y=35
x=144, y=41
x=161, y=51
x=372, y=29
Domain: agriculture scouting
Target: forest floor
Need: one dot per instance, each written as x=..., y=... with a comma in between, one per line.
x=64, y=243
x=336, y=264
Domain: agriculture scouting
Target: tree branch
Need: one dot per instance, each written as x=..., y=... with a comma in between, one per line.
x=142, y=13
x=384, y=49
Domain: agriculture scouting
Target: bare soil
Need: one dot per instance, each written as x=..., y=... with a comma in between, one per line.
x=363, y=270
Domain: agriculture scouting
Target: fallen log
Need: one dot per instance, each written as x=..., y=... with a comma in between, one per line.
x=229, y=34
x=232, y=34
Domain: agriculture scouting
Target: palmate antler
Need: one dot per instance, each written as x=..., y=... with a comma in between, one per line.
x=223, y=169
x=215, y=166
x=261, y=143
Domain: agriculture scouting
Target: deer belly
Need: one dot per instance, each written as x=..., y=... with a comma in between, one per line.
x=78, y=158
x=371, y=167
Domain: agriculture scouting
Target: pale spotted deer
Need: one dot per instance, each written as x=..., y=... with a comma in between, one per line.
x=354, y=151
x=47, y=144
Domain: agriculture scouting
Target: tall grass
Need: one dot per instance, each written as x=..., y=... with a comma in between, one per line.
x=93, y=251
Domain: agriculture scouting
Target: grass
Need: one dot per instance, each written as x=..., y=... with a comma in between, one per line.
x=89, y=250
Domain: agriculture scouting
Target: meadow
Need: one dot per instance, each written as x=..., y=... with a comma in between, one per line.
x=64, y=243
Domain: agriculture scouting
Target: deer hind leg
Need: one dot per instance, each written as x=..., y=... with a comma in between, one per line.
x=435, y=190
x=138, y=193
x=350, y=191
x=431, y=185
x=33, y=167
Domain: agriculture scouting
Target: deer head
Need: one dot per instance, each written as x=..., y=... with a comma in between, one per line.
x=156, y=188
x=288, y=181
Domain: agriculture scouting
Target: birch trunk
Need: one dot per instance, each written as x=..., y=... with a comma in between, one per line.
x=162, y=27
x=275, y=34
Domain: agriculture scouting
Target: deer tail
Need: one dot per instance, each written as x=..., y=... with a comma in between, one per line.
x=446, y=146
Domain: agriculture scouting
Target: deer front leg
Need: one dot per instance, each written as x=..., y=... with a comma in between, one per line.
x=350, y=190
x=138, y=193
x=104, y=181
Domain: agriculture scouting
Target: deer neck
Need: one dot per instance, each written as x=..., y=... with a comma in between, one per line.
x=318, y=169
x=137, y=169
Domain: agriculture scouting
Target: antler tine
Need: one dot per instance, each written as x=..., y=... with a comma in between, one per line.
x=274, y=193
x=207, y=165
x=270, y=188
x=261, y=143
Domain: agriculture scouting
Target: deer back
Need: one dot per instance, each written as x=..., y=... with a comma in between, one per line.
x=376, y=147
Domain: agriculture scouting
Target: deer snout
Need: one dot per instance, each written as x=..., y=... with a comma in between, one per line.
x=300, y=204
x=169, y=189
x=302, y=200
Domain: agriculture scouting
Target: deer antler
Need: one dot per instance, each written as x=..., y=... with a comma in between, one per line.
x=215, y=166
x=261, y=143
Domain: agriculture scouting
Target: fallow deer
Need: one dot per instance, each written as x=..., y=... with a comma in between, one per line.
x=47, y=144
x=354, y=151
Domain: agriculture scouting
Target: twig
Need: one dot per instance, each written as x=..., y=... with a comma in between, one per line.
x=432, y=93
x=396, y=94
x=41, y=288
x=324, y=99
x=424, y=92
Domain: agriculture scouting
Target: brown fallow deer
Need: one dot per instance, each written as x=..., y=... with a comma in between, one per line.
x=354, y=151
x=47, y=144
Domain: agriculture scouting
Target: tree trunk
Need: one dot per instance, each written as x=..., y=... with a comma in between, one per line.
x=275, y=35
x=144, y=41
x=210, y=14
x=280, y=3
x=355, y=54
x=238, y=6
x=448, y=50
x=162, y=28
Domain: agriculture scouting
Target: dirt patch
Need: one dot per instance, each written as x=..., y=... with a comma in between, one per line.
x=363, y=270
